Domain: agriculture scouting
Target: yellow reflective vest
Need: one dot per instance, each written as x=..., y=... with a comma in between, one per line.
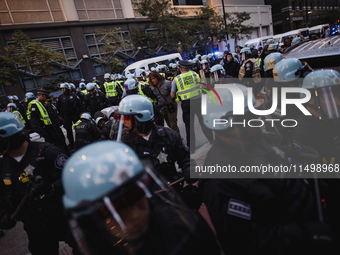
x=17, y=112
x=43, y=113
x=84, y=91
x=143, y=83
x=188, y=85
x=110, y=89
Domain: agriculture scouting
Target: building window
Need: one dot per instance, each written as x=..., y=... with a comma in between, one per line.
x=300, y=6
x=97, y=51
x=293, y=5
x=63, y=45
x=312, y=6
x=98, y=10
x=30, y=11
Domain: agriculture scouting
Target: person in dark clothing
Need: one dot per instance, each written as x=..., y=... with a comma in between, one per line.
x=256, y=213
x=95, y=100
x=163, y=146
x=86, y=131
x=129, y=209
x=230, y=66
x=31, y=172
x=44, y=121
x=69, y=106
x=2, y=107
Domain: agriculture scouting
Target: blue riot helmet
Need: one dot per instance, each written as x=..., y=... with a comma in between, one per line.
x=324, y=86
x=220, y=55
x=12, y=132
x=13, y=98
x=130, y=76
x=29, y=96
x=287, y=70
x=272, y=47
x=72, y=86
x=86, y=116
x=64, y=85
x=271, y=60
x=153, y=68
x=131, y=85
x=138, y=112
x=217, y=72
x=140, y=73
x=204, y=57
x=91, y=86
x=269, y=42
x=11, y=107
x=245, y=53
x=112, y=200
x=296, y=40
x=82, y=86
x=82, y=80
x=210, y=56
x=204, y=64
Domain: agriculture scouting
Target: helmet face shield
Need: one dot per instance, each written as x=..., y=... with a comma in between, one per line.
x=329, y=102
x=133, y=219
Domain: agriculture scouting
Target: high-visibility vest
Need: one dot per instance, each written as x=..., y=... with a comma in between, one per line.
x=188, y=85
x=121, y=84
x=76, y=124
x=256, y=75
x=110, y=89
x=84, y=91
x=17, y=112
x=141, y=83
x=43, y=113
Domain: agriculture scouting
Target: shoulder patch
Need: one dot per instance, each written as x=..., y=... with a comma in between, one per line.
x=33, y=109
x=60, y=161
x=239, y=209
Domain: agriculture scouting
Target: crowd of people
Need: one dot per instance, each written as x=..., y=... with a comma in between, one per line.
x=107, y=191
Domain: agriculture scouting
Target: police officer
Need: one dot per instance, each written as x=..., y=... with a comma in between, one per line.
x=320, y=131
x=253, y=215
x=250, y=71
x=95, y=100
x=44, y=121
x=86, y=131
x=186, y=87
x=31, y=174
x=121, y=206
x=12, y=107
x=111, y=89
x=159, y=144
x=69, y=106
x=20, y=106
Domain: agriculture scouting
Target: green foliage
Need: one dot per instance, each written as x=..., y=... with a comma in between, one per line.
x=111, y=41
x=53, y=84
x=167, y=27
x=30, y=57
x=235, y=26
x=8, y=75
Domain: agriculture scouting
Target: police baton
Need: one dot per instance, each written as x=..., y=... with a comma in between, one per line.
x=173, y=183
x=23, y=202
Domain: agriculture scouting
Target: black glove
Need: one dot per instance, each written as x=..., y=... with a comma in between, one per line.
x=6, y=222
x=38, y=187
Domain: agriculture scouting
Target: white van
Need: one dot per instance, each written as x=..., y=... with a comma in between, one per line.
x=146, y=64
x=318, y=30
x=258, y=42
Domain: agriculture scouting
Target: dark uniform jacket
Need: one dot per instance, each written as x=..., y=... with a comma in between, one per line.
x=42, y=159
x=163, y=148
x=257, y=216
x=86, y=132
x=96, y=102
x=69, y=104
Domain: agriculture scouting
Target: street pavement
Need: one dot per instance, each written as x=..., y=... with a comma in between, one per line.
x=15, y=240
